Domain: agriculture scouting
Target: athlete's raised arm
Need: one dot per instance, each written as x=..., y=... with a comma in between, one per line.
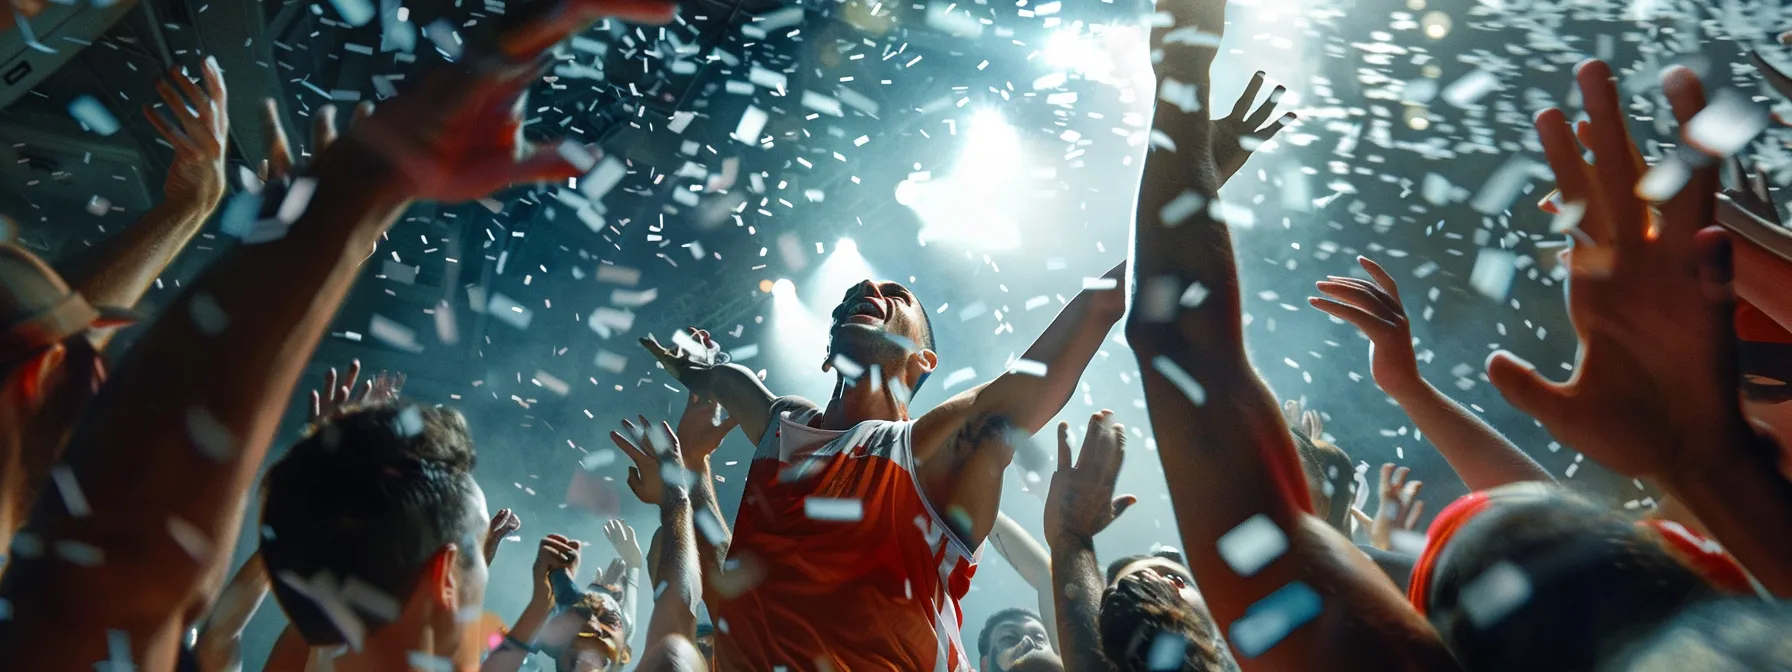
x=693, y=364
x=1236, y=485
x=1029, y=401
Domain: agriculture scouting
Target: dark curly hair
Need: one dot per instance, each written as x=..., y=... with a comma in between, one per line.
x=1140, y=611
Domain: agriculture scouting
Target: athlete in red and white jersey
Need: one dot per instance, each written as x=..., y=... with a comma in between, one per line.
x=856, y=536
x=888, y=561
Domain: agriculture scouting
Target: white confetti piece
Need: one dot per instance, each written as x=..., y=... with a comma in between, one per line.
x=752, y=121
x=93, y=115
x=1157, y=298
x=508, y=311
x=428, y=662
x=1567, y=217
x=1168, y=652
x=1181, y=379
x=1493, y=273
x=190, y=538
x=73, y=499
x=1194, y=296
x=610, y=361
x=609, y=322
x=1470, y=88
x=410, y=421
x=770, y=79
x=441, y=33
x=710, y=527
x=1100, y=284
x=618, y=275
x=1179, y=209
x=79, y=553
x=1664, y=180
x=634, y=299
x=849, y=369
x=1252, y=545
x=1186, y=97
x=823, y=104
x=447, y=330
x=744, y=353
x=1028, y=367
x=354, y=12
x=1505, y=185
x=551, y=384
x=598, y=459
x=833, y=509
x=959, y=377
x=1495, y=594
x=399, y=272
x=1727, y=124
x=297, y=199
x=577, y=155
x=1274, y=617
x=209, y=435
x=603, y=178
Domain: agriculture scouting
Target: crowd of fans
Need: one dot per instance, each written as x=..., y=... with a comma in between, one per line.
x=122, y=492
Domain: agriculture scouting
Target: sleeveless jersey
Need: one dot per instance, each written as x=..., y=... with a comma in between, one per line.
x=859, y=572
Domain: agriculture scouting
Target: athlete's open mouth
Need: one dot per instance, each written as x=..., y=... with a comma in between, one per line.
x=865, y=311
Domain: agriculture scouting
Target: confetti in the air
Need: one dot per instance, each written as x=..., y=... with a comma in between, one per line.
x=1252, y=545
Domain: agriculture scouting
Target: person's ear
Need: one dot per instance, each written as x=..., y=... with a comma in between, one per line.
x=444, y=582
x=36, y=372
x=626, y=654
x=923, y=362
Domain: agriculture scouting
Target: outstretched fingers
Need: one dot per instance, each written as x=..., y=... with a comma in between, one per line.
x=1573, y=179
x=1365, y=321
x=1615, y=171
x=279, y=161
x=1243, y=107
x=1694, y=206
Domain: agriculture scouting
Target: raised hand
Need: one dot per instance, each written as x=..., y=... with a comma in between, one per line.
x=1238, y=135
x=655, y=452
x=702, y=428
x=200, y=131
x=628, y=548
x=1081, y=502
x=457, y=135
x=1375, y=309
x=1654, y=391
x=613, y=573
x=699, y=353
x=280, y=163
x=1400, y=507
x=555, y=554
x=502, y=525
x=334, y=397
x=337, y=398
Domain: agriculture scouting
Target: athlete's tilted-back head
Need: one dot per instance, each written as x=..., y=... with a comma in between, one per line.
x=882, y=324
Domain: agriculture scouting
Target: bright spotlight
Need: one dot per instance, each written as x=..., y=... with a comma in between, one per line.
x=797, y=341
x=784, y=289
x=840, y=270
x=1070, y=49
x=976, y=204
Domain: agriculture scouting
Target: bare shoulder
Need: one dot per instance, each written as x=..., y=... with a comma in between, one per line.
x=793, y=404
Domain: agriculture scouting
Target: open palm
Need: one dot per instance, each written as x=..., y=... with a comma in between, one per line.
x=1654, y=389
